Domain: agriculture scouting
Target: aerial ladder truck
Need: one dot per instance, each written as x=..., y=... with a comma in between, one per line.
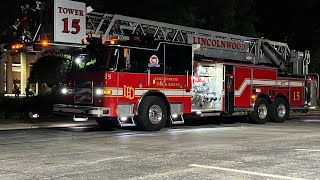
x=151, y=74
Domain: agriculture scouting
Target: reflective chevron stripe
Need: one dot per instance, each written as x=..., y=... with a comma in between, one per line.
x=247, y=82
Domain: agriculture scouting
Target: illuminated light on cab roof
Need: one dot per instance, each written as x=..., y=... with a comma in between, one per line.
x=44, y=43
x=17, y=46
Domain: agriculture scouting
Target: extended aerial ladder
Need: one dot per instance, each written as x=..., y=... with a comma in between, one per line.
x=232, y=47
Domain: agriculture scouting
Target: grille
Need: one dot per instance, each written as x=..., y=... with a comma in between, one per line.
x=83, y=92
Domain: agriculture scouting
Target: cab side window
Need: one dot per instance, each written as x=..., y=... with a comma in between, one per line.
x=140, y=61
x=178, y=59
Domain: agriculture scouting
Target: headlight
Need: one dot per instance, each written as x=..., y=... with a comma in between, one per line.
x=78, y=60
x=99, y=92
x=64, y=90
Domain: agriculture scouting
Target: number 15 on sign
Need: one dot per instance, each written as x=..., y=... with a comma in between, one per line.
x=75, y=25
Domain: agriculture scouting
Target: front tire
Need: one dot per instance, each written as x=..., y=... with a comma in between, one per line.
x=280, y=110
x=152, y=114
x=260, y=113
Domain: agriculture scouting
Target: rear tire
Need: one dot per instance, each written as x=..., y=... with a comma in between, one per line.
x=279, y=110
x=152, y=114
x=260, y=113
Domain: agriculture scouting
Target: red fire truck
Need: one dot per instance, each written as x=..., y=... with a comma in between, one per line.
x=150, y=74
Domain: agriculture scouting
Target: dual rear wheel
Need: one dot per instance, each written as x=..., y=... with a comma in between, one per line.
x=263, y=111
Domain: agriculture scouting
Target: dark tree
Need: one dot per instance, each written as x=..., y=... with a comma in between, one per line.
x=294, y=22
x=50, y=70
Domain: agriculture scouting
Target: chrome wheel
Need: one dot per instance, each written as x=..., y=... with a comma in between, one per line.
x=281, y=110
x=155, y=114
x=262, y=111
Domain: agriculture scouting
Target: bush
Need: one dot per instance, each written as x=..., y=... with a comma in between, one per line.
x=9, y=107
x=42, y=104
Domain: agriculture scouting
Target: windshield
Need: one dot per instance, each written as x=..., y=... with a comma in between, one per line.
x=96, y=59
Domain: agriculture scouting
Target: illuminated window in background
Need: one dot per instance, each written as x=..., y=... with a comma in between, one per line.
x=17, y=67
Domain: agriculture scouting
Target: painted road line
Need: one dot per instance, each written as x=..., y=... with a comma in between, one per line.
x=309, y=150
x=77, y=164
x=246, y=172
x=311, y=120
x=107, y=159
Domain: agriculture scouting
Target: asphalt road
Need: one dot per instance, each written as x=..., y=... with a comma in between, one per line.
x=207, y=150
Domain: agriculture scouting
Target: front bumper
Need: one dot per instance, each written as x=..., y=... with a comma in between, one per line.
x=78, y=110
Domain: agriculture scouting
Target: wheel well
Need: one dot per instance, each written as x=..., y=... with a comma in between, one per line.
x=158, y=94
x=266, y=97
x=282, y=96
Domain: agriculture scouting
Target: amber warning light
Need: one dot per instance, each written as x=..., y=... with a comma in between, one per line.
x=44, y=43
x=254, y=97
x=17, y=46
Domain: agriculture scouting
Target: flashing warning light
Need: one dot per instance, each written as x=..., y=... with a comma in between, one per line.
x=44, y=43
x=17, y=46
x=112, y=42
x=253, y=96
x=107, y=92
x=125, y=52
x=106, y=111
x=309, y=79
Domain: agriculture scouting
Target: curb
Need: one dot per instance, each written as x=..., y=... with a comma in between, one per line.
x=17, y=126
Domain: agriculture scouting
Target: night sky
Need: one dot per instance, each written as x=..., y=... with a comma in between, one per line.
x=294, y=22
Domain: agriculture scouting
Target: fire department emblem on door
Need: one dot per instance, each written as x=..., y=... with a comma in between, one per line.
x=154, y=61
x=128, y=92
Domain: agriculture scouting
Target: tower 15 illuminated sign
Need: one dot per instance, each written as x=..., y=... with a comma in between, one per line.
x=69, y=21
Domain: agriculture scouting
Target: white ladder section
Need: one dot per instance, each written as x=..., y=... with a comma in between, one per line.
x=108, y=25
